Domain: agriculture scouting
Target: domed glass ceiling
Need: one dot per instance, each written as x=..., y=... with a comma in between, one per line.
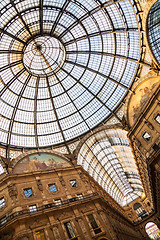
x=154, y=29
x=64, y=66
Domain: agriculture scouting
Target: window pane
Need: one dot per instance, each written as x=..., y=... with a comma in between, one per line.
x=58, y=202
x=146, y=136
x=69, y=230
x=33, y=208
x=73, y=183
x=52, y=187
x=92, y=221
x=28, y=192
x=40, y=235
x=157, y=118
x=2, y=202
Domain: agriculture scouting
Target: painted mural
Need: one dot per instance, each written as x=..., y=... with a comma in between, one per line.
x=140, y=98
x=40, y=162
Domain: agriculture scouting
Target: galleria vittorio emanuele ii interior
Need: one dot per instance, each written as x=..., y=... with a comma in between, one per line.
x=79, y=119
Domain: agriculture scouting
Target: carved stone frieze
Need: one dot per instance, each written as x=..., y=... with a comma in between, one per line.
x=39, y=185
x=12, y=190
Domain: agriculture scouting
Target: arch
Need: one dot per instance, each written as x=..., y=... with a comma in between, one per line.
x=106, y=155
x=140, y=210
x=39, y=161
x=21, y=156
x=152, y=230
x=136, y=206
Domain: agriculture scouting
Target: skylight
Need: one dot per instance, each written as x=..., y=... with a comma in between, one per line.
x=64, y=67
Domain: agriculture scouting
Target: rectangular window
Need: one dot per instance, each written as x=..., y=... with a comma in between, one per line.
x=157, y=118
x=93, y=223
x=70, y=231
x=28, y=192
x=80, y=196
x=3, y=221
x=58, y=202
x=40, y=235
x=33, y=208
x=52, y=187
x=146, y=136
x=73, y=183
x=2, y=202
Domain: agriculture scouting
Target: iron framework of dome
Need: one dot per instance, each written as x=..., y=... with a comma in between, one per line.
x=154, y=29
x=64, y=66
x=107, y=156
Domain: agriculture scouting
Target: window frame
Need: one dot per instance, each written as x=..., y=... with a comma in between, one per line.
x=93, y=222
x=51, y=184
x=40, y=231
x=149, y=140
x=33, y=209
x=58, y=203
x=158, y=114
x=3, y=203
x=26, y=189
x=75, y=185
x=68, y=232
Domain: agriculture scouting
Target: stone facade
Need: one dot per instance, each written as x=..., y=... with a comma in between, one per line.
x=21, y=220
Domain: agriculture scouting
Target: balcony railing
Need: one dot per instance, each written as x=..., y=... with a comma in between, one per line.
x=6, y=219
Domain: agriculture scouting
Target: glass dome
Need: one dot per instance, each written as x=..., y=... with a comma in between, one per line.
x=65, y=66
x=154, y=29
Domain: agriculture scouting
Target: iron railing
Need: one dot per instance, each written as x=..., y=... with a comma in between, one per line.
x=4, y=220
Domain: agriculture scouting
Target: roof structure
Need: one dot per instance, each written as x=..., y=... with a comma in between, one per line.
x=154, y=29
x=65, y=65
x=108, y=158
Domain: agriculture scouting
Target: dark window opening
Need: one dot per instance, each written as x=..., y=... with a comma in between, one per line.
x=157, y=118
x=70, y=231
x=146, y=136
x=94, y=223
x=140, y=211
x=73, y=183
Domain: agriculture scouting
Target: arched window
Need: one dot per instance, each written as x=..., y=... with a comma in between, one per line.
x=152, y=230
x=140, y=210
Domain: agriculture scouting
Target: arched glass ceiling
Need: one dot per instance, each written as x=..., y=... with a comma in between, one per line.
x=64, y=65
x=154, y=29
x=1, y=169
x=108, y=158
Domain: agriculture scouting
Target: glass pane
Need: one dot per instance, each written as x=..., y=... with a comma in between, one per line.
x=92, y=221
x=69, y=230
x=52, y=187
x=28, y=192
x=2, y=202
x=63, y=72
x=146, y=136
x=40, y=235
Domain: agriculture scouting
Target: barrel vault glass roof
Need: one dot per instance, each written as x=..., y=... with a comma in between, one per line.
x=108, y=158
x=65, y=65
x=154, y=29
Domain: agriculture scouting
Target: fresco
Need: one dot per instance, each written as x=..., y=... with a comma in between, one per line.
x=40, y=162
x=140, y=98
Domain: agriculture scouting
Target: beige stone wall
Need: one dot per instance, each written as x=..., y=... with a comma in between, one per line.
x=110, y=219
